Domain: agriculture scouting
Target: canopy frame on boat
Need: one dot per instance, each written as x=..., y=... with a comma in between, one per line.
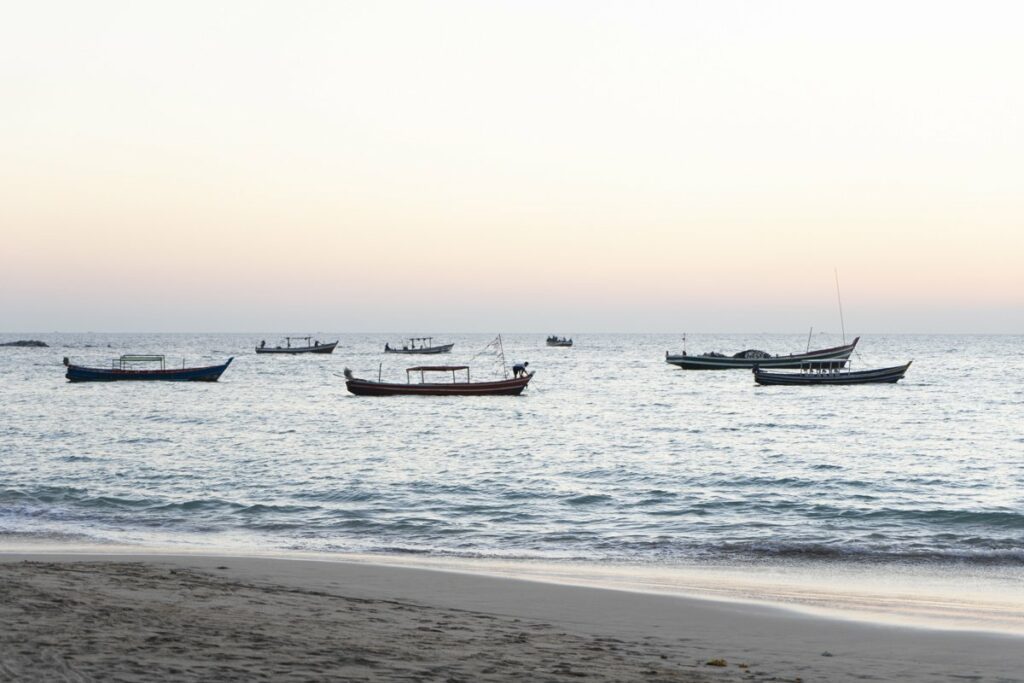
x=288, y=341
x=129, y=358
x=423, y=369
x=827, y=366
x=425, y=342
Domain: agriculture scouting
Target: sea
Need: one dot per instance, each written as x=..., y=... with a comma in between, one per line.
x=611, y=462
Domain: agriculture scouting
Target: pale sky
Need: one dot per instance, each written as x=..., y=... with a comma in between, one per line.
x=516, y=166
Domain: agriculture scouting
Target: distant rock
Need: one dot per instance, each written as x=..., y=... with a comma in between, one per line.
x=26, y=342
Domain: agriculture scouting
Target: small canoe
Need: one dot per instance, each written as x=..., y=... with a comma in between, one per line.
x=750, y=359
x=831, y=376
x=505, y=387
x=124, y=369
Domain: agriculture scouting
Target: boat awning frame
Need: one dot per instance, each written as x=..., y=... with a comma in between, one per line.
x=143, y=358
x=424, y=369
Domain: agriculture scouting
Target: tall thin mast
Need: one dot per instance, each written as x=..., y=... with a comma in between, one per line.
x=501, y=350
x=839, y=297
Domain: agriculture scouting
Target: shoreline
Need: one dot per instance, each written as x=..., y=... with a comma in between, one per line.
x=452, y=624
x=939, y=597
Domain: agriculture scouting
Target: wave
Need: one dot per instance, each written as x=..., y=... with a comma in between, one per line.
x=867, y=554
x=589, y=499
x=998, y=519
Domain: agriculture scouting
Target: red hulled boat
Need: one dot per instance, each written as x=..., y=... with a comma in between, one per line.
x=457, y=387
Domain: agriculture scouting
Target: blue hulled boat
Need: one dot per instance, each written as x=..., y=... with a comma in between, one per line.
x=126, y=368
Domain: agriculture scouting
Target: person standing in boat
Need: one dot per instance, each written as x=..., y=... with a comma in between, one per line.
x=519, y=369
x=263, y=343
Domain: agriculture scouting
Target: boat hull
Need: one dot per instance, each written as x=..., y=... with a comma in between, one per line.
x=78, y=373
x=793, y=361
x=429, y=351
x=507, y=387
x=876, y=376
x=562, y=344
x=319, y=348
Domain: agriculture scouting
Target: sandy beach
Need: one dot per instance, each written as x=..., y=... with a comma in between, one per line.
x=159, y=617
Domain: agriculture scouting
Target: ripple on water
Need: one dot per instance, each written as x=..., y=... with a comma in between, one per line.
x=643, y=463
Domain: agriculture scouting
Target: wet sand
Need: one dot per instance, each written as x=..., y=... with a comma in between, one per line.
x=152, y=617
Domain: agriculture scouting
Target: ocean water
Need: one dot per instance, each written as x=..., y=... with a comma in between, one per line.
x=610, y=456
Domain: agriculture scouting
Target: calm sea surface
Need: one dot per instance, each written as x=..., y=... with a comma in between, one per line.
x=610, y=455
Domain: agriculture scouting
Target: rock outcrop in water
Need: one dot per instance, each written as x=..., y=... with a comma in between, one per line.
x=26, y=342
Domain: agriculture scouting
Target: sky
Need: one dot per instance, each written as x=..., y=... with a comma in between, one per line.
x=511, y=166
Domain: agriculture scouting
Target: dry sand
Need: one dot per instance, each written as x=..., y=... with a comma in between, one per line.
x=141, y=618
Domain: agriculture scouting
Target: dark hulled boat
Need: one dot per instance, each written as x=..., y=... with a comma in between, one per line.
x=751, y=358
x=420, y=346
x=831, y=375
x=505, y=387
x=558, y=341
x=310, y=346
x=126, y=368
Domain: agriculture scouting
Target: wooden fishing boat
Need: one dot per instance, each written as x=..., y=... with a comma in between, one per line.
x=457, y=387
x=558, y=341
x=831, y=375
x=126, y=368
x=753, y=358
x=419, y=345
x=311, y=346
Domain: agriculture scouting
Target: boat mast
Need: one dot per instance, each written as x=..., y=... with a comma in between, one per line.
x=812, y=332
x=501, y=351
x=839, y=297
